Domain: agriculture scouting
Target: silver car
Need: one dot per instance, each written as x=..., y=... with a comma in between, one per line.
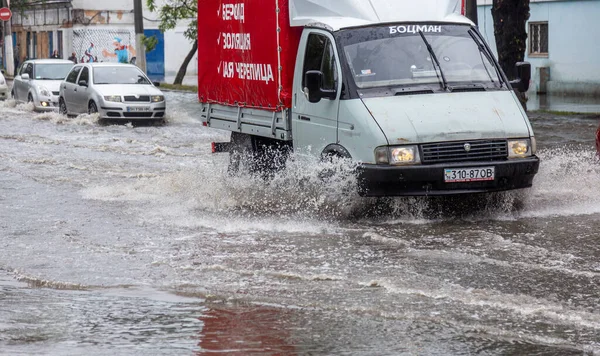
x=114, y=90
x=38, y=82
x=3, y=86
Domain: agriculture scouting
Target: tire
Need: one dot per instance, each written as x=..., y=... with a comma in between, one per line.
x=30, y=98
x=62, y=107
x=92, y=108
x=12, y=94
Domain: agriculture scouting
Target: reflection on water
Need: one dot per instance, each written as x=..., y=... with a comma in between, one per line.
x=563, y=103
x=246, y=330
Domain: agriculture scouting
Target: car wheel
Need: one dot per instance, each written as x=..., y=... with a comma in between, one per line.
x=62, y=106
x=12, y=94
x=30, y=98
x=92, y=108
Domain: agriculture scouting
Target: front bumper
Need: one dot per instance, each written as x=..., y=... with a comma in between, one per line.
x=132, y=111
x=385, y=180
x=46, y=104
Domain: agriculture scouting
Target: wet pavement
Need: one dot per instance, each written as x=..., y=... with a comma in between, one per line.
x=133, y=240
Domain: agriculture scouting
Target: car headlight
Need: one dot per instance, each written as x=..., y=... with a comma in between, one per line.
x=519, y=148
x=44, y=91
x=397, y=155
x=158, y=98
x=115, y=98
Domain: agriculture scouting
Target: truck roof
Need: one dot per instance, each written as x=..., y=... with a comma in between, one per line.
x=339, y=14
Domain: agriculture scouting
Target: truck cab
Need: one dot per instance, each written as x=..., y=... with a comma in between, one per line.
x=412, y=94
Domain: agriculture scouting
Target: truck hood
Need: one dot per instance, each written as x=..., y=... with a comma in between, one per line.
x=448, y=117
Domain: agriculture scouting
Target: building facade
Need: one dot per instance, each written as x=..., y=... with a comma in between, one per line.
x=101, y=31
x=562, y=44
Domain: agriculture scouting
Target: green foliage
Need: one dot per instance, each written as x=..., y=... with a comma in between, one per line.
x=150, y=43
x=175, y=10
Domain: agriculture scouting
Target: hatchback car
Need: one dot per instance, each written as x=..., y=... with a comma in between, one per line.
x=3, y=86
x=38, y=82
x=113, y=90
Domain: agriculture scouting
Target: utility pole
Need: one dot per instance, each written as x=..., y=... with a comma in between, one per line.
x=8, y=45
x=140, y=48
x=471, y=11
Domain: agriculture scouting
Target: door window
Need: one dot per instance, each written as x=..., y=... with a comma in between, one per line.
x=27, y=69
x=85, y=75
x=320, y=55
x=72, y=77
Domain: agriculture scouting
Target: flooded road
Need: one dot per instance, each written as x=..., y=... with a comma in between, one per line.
x=134, y=240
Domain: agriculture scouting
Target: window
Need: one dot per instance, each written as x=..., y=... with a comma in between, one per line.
x=538, y=39
x=27, y=69
x=321, y=56
x=72, y=77
x=85, y=75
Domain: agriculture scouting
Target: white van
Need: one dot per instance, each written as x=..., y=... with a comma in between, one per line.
x=409, y=90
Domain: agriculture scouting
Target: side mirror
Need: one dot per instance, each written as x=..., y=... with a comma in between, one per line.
x=523, y=77
x=156, y=84
x=83, y=83
x=313, y=80
x=25, y=76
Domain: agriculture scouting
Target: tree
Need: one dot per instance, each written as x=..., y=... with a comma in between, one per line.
x=510, y=18
x=169, y=15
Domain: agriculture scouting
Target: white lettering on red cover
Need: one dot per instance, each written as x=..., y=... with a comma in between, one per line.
x=233, y=12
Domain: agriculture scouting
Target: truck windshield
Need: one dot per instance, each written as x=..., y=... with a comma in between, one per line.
x=418, y=55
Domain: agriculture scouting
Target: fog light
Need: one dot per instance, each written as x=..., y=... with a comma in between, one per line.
x=44, y=104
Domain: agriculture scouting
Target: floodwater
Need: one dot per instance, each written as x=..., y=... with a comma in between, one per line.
x=134, y=240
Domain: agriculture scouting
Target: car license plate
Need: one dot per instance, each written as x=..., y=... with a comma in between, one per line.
x=137, y=108
x=479, y=174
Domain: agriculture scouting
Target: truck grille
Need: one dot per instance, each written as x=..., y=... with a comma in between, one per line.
x=140, y=99
x=485, y=150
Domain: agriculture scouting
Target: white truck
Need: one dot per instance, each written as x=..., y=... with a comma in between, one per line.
x=409, y=90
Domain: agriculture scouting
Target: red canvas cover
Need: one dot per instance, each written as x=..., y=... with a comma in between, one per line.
x=239, y=61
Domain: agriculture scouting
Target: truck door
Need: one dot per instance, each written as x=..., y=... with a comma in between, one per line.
x=314, y=125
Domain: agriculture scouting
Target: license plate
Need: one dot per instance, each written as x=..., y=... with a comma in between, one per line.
x=138, y=108
x=459, y=175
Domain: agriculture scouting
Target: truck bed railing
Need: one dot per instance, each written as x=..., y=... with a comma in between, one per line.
x=276, y=124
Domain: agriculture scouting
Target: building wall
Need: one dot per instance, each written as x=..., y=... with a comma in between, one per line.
x=95, y=22
x=573, y=46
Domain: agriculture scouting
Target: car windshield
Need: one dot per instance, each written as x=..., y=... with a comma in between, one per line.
x=408, y=55
x=54, y=71
x=119, y=75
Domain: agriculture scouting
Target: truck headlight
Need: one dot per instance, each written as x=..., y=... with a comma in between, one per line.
x=397, y=155
x=519, y=148
x=157, y=98
x=115, y=98
x=44, y=91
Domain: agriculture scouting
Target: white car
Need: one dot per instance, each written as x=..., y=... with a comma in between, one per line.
x=3, y=87
x=113, y=90
x=38, y=82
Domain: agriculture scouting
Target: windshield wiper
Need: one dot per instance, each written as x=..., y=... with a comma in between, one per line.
x=435, y=60
x=483, y=51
